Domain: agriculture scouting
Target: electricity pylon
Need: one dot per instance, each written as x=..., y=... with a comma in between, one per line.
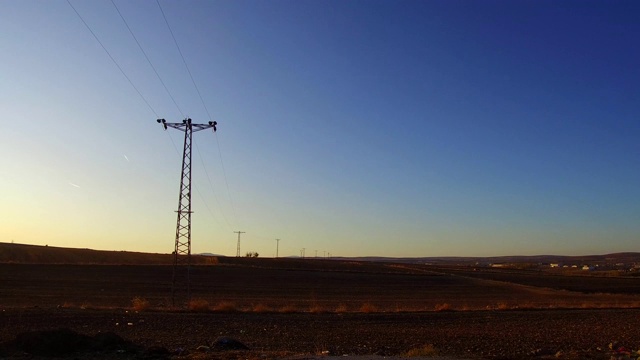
x=239, y=232
x=182, y=251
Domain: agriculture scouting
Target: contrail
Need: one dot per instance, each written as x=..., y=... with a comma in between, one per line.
x=72, y=184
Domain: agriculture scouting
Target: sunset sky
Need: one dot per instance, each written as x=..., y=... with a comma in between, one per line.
x=350, y=127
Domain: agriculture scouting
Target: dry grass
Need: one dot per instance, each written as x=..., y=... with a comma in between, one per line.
x=342, y=308
x=423, y=351
x=201, y=305
x=261, y=308
x=67, y=305
x=288, y=309
x=140, y=304
x=368, y=308
x=226, y=306
x=198, y=305
x=317, y=309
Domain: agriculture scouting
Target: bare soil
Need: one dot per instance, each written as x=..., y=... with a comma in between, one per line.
x=285, y=308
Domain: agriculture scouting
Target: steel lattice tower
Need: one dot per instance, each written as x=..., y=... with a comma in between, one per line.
x=182, y=252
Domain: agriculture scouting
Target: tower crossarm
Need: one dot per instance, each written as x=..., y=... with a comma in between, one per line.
x=187, y=123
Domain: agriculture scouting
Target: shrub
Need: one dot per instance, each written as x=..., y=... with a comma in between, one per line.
x=368, y=308
x=423, y=351
x=225, y=306
x=342, y=308
x=316, y=309
x=261, y=308
x=199, y=305
x=288, y=309
x=140, y=304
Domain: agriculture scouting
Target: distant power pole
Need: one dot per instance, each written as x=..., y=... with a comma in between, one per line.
x=302, y=252
x=239, y=232
x=277, y=246
x=182, y=251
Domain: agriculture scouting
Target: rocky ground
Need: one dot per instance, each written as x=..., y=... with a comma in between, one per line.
x=539, y=334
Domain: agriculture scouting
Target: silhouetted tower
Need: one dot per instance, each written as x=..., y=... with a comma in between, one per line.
x=239, y=232
x=182, y=252
x=277, y=246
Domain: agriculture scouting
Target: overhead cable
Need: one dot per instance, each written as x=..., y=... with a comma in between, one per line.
x=148, y=60
x=112, y=59
x=224, y=173
x=184, y=61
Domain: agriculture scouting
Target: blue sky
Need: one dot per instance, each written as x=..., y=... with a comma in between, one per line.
x=389, y=128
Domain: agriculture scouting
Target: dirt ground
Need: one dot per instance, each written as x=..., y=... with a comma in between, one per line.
x=300, y=310
x=570, y=334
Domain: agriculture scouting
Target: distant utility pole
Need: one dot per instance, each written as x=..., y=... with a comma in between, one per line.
x=239, y=232
x=277, y=246
x=302, y=252
x=182, y=251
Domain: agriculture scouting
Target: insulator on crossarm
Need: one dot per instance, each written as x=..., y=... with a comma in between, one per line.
x=163, y=122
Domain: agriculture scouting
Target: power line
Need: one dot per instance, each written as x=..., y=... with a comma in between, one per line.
x=175, y=103
x=148, y=60
x=150, y=107
x=224, y=175
x=184, y=61
x=112, y=59
x=215, y=196
x=224, y=172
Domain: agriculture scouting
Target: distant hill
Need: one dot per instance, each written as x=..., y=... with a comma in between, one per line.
x=35, y=254
x=625, y=257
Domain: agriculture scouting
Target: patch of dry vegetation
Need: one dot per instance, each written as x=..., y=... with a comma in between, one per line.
x=427, y=350
x=198, y=305
x=317, y=309
x=261, y=308
x=288, y=309
x=140, y=304
x=342, y=308
x=443, y=307
x=226, y=306
x=368, y=308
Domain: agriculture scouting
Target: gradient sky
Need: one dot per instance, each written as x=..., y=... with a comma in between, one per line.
x=389, y=128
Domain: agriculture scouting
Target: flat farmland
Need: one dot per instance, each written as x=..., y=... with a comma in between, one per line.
x=291, y=285
x=579, y=281
x=305, y=307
